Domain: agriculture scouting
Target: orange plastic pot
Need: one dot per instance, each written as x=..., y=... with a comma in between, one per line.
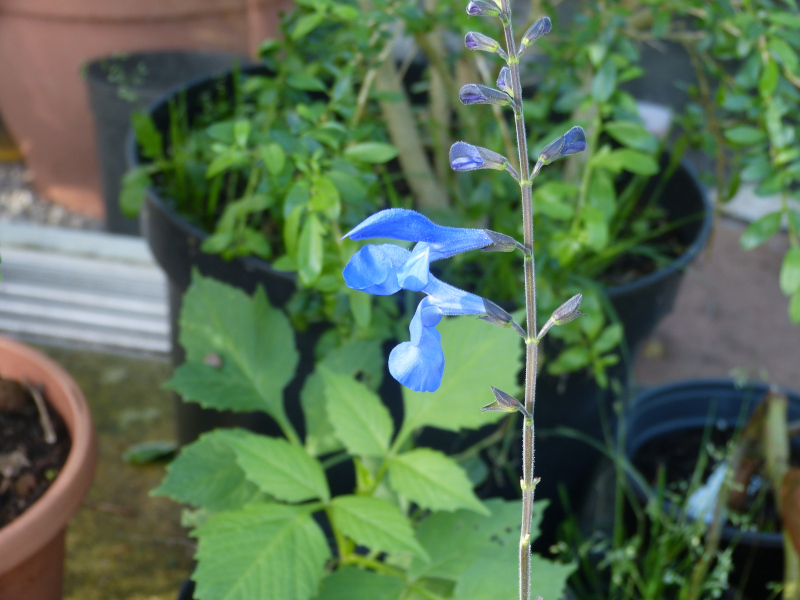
x=32, y=546
x=44, y=45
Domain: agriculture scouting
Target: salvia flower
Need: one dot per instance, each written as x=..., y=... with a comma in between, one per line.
x=572, y=142
x=466, y=157
x=385, y=269
x=478, y=8
x=504, y=81
x=535, y=31
x=478, y=41
x=474, y=93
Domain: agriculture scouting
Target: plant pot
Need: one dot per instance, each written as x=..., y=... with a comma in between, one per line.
x=32, y=546
x=123, y=84
x=666, y=411
x=44, y=43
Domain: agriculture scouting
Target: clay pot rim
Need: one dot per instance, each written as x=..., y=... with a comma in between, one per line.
x=49, y=515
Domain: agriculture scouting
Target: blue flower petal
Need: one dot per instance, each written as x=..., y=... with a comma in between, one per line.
x=409, y=225
x=415, y=273
x=373, y=269
x=451, y=300
x=419, y=367
x=465, y=157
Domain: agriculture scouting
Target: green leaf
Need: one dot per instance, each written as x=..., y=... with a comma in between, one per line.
x=554, y=199
x=760, y=230
x=360, y=419
x=280, y=469
x=768, y=82
x=376, y=524
x=569, y=360
x=633, y=135
x=609, y=339
x=784, y=18
x=325, y=197
x=595, y=228
x=478, y=356
x=790, y=271
x=306, y=24
x=602, y=194
x=349, y=186
x=241, y=132
x=260, y=551
x=360, y=308
x=147, y=135
x=253, y=340
x=352, y=583
x=784, y=53
x=205, y=474
x=548, y=579
x=794, y=308
x=291, y=232
x=744, y=135
x=305, y=83
x=458, y=541
x=310, y=250
x=274, y=157
x=362, y=358
x=433, y=481
x=150, y=452
x=134, y=191
x=605, y=81
x=637, y=162
x=223, y=162
x=371, y=152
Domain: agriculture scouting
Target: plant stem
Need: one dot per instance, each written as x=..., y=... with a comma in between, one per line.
x=531, y=348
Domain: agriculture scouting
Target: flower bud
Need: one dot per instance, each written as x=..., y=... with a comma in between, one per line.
x=466, y=157
x=572, y=142
x=500, y=317
x=504, y=81
x=504, y=403
x=501, y=243
x=568, y=311
x=535, y=31
x=474, y=93
x=478, y=41
x=478, y=8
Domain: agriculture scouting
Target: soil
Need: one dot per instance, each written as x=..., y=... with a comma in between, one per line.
x=28, y=464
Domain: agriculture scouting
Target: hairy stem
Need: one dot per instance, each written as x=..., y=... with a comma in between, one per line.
x=531, y=348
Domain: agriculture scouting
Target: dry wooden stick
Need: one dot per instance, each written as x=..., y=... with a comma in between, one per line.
x=44, y=416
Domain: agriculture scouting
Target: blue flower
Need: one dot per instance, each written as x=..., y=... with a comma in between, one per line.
x=572, y=142
x=385, y=269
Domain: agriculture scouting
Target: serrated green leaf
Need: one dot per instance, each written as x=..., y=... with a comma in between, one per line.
x=632, y=134
x=205, y=474
x=790, y=271
x=310, y=250
x=363, y=358
x=548, y=579
x=760, y=230
x=376, y=524
x=254, y=341
x=360, y=420
x=371, y=152
x=280, y=469
x=260, y=551
x=469, y=537
x=478, y=356
x=352, y=583
x=274, y=157
x=433, y=481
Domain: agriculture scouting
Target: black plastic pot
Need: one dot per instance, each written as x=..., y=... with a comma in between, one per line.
x=122, y=84
x=665, y=411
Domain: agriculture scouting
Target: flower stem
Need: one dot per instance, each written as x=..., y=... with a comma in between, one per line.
x=531, y=349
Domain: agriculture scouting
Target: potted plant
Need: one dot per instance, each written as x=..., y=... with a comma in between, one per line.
x=667, y=428
x=32, y=545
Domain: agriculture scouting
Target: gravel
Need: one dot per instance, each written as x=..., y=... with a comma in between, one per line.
x=20, y=203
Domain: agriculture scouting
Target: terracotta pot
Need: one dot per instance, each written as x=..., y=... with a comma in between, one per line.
x=32, y=546
x=44, y=45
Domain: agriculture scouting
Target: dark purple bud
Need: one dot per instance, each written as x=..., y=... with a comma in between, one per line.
x=572, y=142
x=466, y=157
x=474, y=93
x=478, y=41
x=500, y=317
x=568, y=311
x=478, y=8
x=535, y=31
x=504, y=403
x=504, y=81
